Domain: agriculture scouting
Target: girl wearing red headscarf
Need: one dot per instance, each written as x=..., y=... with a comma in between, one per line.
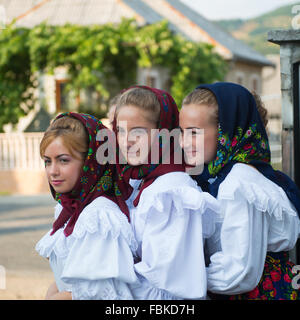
x=91, y=245
x=169, y=215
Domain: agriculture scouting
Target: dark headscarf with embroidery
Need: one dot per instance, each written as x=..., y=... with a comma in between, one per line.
x=242, y=138
x=95, y=180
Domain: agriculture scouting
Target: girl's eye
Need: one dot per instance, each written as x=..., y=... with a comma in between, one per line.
x=64, y=160
x=138, y=132
x=195, y=132
x=190, y=132
x=47, y=162
x=120, y=130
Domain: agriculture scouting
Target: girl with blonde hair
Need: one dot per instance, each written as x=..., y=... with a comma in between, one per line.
x=91, y=245
x=260, y=206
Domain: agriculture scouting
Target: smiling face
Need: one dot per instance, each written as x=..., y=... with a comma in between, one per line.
x=192, y=119
x=62, y=168
x=134, y=134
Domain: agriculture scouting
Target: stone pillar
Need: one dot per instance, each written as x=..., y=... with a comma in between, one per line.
x=289, y=41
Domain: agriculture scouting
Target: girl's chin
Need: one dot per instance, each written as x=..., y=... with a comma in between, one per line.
x=136, y=161
x=190, y=161
x=61, y=189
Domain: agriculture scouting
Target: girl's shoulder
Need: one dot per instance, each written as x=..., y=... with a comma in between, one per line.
x=172, y=180
x=177, y=194
x=177, y=188
x=100, y=202
x=103, y=216
x=246, y=182
x=249, y=175
x=100, y=219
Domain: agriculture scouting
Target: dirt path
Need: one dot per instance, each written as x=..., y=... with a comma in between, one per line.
x=23, y=221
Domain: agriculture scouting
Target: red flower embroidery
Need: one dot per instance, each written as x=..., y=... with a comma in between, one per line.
x=247, y=146
x=253, y=294
x=267, y=284
x=275, y=276
x=234, y=142
x=287, y=278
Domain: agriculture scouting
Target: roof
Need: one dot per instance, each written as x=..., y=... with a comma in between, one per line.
x=182, y=19
x=59, y=12
x=150, y=15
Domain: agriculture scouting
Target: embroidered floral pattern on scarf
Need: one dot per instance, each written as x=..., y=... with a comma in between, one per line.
x=242, y=138
x=169, y=119
x=95, y=179
x=245, y=146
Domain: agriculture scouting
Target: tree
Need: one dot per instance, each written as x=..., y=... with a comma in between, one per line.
x=102, y=57
x=16, y=79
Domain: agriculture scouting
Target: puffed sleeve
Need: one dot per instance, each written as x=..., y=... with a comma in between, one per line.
x=239, y=266
x=99, y=264
x=172, y=262
x=258, y=218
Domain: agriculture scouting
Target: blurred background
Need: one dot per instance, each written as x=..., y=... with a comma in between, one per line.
x=76, y=55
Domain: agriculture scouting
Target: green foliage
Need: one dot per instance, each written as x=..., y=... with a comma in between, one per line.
x=99, y=57
x=197, y=63
x=16, y=80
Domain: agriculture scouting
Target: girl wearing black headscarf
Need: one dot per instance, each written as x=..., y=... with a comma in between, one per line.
x=261, y=206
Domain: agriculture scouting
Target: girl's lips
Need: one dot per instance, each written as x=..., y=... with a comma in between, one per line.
x=57, y=182
x=191, y=153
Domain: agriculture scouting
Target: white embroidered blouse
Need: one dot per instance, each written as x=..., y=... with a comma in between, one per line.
x=170, y=223
x=96, y=260
x=258, y=217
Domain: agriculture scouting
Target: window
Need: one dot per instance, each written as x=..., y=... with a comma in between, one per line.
x=240, y=78
x=65, y=100
x=151, y=81
x=254, y=83
x=152, y=77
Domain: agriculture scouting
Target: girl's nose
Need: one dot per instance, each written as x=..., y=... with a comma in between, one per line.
x=184, y=141
x=132, y=139
x=54, y=169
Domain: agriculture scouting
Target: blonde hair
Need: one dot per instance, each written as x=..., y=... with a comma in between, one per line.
x=204, y=96
x=263, y=112
x=71, y=131
x=143, y=99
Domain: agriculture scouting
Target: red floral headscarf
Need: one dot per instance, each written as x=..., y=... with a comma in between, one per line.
x=95, y=180
x=169, y=119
